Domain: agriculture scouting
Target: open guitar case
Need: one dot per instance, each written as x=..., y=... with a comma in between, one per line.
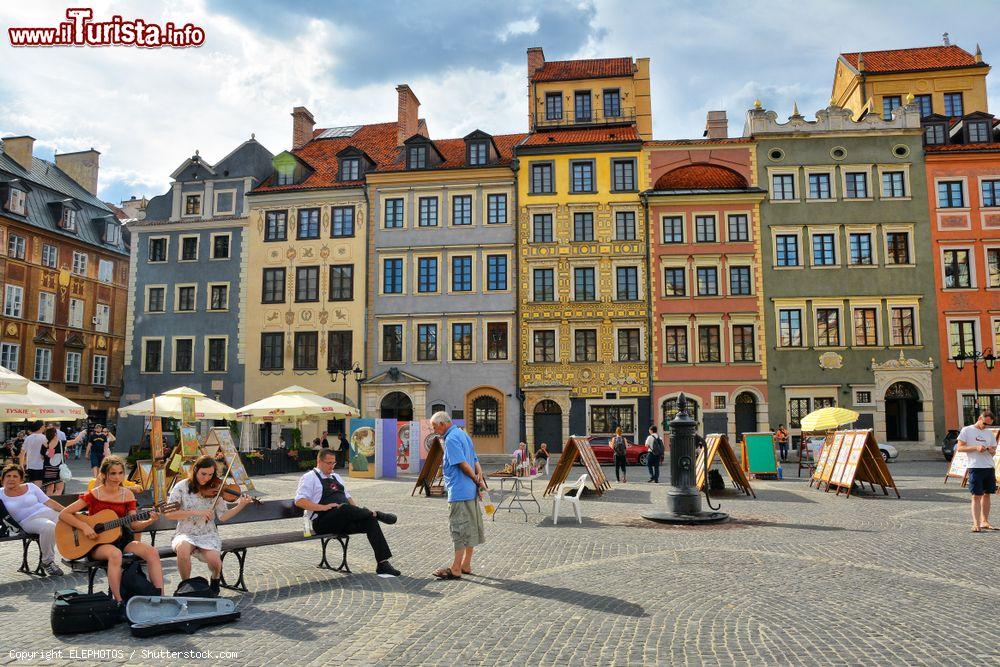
x=156, y=615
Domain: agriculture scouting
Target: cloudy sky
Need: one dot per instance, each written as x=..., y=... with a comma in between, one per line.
x=147, y=110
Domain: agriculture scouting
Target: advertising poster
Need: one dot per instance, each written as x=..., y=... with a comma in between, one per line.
x=361, y=456
x=425, y=434
x=403, y=440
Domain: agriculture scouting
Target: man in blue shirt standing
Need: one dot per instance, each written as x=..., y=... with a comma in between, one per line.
x=463, y=477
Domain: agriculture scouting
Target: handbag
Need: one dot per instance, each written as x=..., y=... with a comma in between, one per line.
x=65, y=474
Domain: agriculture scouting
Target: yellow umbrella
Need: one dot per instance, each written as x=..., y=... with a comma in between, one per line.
x=826, y=419
x=168, y=404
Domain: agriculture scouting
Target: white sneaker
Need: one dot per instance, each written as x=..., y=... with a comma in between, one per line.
x=52, y=569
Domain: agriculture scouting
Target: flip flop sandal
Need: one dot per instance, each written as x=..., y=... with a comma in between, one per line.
x=989, y=527
x=445, y=573
x=977, y=530
x=464, y=571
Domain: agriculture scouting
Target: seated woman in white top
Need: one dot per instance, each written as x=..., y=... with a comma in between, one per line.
x=35, y=512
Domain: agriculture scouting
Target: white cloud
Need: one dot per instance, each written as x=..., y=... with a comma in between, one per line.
x=523, y=27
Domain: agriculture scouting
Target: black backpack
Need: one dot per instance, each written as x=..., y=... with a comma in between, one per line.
x=195, y=587
x=134, y=582
x=657, y=447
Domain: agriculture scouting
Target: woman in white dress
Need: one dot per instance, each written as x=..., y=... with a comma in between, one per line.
x=196, y=533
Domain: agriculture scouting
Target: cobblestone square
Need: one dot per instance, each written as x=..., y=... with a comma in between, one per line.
x=798, y=577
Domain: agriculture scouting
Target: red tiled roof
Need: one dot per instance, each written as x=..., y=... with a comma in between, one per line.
x=596, y=68
x=700, y=177
x=993, y=147
x=379, y=143
x=911, y=60
x=698, y=142
x=613, y=134
x=119, y=213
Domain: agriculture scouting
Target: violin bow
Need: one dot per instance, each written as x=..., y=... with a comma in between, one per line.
x=222, y=485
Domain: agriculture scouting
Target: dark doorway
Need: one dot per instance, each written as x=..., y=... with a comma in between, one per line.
x=398, y=406
x=264, y=432
x=902, y=404
x=746, y=414
x=101, y=417
x=548, y=425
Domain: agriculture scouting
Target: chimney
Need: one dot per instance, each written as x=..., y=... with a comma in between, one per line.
x=407, y=115
x=20, y=149
x=716, y=125
x=945, y=40
x=82, y=167
x=536, y=59
x=302, y=126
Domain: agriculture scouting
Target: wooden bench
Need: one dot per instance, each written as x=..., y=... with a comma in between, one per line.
x=267, y=510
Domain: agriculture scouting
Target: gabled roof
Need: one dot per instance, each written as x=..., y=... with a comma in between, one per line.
x=421, y=140
x=193, y=161
x=607, y=134
x=570, y=70
x=913, y=60
x=50, y=185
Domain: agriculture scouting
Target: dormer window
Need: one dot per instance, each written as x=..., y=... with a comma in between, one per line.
x=416, y=157
x=286, y=174
x=112, y=232
x=478, y=153
x=192, y=205
x=15, y=201
x=68, y=219
x=979, y=132
x=350, y=169
x=934, y=134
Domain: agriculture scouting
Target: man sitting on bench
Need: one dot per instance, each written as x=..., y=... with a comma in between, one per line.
x=321, y=492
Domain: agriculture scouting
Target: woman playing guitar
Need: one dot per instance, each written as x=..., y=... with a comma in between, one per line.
x=196, y=531
x=110, y=494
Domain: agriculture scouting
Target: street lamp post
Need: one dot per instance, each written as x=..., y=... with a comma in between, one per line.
x=683, y=498
x=988, y=359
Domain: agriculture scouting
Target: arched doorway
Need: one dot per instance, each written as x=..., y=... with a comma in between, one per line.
x=548, y=425
x=669, y=409
x=396, y=405
x=902, y=405
x=746, y=414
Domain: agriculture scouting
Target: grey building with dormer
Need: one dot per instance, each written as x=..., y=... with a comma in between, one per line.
x=187, y=289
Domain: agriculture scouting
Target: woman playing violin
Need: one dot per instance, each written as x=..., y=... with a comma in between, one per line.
x=110, y=494
x=196, y=532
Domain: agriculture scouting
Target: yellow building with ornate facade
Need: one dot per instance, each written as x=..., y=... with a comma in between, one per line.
x=582, y=251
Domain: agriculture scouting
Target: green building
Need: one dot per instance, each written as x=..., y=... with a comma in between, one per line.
x=849, y=306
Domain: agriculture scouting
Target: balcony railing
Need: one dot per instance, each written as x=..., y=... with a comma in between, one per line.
x=626, y=115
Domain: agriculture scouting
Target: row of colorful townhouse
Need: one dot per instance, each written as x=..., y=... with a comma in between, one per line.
x=577, y=277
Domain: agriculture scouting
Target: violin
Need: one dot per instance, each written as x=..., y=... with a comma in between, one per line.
x=230, y=492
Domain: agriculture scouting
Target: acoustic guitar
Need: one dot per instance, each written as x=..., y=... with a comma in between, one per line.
x=73, y=543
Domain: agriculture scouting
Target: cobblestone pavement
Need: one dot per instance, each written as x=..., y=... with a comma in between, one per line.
x=800, y=577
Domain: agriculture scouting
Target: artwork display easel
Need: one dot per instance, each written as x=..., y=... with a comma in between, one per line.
x=958, y=468
x=858, y=460
x=824, y=461
x=758, y=454
x=578, y=447
x=220, y=439
x=430, y=471
x=718, y=445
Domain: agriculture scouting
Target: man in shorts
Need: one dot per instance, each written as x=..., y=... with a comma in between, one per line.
x=463, y=477
x=979, y=446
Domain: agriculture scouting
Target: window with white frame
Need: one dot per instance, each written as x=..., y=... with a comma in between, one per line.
x=43, y=364
x=100, y=373
x=76, y=313
x=152, y=355
x=192, y=205
x=16, y=246
x=16, y=201
x=9, y=355
x=102, y=317
x=50, y=256
x=68, y=219
x=105, y=271
x=79, y=263
x=47, y=307
x=13, y=300
x=74, y=360
x=903, y=325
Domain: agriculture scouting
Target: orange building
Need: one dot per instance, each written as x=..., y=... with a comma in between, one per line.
x=708, y=339
x=963, y=184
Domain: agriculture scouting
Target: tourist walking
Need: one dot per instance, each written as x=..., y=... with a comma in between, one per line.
x=32, y=457
x=979, y=446
x=654, y=455
x=619, y=446
x=98, y=448
x=463, y=478
x=781, y=437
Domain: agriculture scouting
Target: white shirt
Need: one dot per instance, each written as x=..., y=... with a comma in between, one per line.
x=972, y=437
x=311, y=489
x=650, y=441
x=32, y=447
x=26, y=505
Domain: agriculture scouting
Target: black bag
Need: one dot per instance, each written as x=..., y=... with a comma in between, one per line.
x=195, y=587
x=134, y=582
x=657, y=448
x=74, y=612
x=8, y=526
x=715, y=481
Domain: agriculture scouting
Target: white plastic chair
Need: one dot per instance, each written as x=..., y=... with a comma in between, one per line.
x=563, y=493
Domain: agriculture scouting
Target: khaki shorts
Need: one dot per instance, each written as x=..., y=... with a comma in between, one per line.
x=465, y=520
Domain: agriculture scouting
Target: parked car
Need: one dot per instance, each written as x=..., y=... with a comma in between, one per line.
x=949, y=443
x=634, y=454
x=888, y=452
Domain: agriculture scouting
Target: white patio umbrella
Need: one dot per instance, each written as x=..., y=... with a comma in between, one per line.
x=296, y=403
x=168, y=404
x=22, y=399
